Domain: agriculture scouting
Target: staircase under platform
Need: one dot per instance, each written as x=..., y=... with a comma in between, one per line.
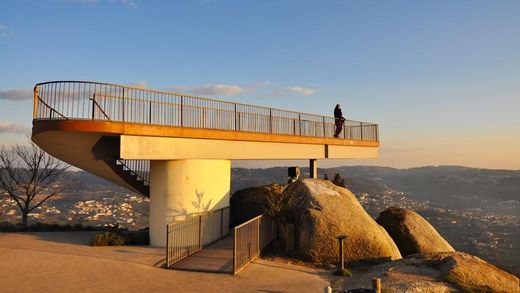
x=134, y=172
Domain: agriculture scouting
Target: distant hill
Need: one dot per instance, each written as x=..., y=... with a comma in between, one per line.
x=443, y=186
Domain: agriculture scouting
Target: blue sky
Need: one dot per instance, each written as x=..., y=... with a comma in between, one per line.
x=442, y=78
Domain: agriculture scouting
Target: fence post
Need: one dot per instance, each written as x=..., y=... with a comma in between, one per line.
x=234, y=250
x=258, y=234
x=167, y=247
x=221, y=222
x=200, y=231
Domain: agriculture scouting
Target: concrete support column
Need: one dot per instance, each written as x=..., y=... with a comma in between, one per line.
x=313, y=168
x=180, y=187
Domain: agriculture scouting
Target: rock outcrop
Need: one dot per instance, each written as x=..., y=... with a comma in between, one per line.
x=471, y=274
x=436, y=272
x=412, y=233
x=250, y=202
x=320, y=211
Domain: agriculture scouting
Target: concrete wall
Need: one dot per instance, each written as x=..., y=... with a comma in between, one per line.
x=180, y=187
x=168, y=148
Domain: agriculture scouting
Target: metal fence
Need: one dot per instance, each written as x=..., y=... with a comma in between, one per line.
x=250, y=238
x=194, y=232
x=109, y=102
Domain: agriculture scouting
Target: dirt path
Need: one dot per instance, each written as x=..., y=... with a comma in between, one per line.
x=62, y=262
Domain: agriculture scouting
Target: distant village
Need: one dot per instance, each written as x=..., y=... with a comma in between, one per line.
x=491, y=236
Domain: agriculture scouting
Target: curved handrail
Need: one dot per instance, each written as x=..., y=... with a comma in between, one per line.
x=184, y=95
x=106, y=101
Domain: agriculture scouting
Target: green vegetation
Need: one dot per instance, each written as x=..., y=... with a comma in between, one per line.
x=337, y=180
x=107, y=239
x=343, y=273
x=121, y=237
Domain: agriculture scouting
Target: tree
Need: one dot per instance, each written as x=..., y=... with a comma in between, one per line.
x=338, y=181
x=29, y=176
x=278, y=201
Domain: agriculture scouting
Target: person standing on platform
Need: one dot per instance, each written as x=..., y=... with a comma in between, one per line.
x=338, y=120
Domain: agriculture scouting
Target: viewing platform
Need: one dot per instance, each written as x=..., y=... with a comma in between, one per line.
x=176, y=148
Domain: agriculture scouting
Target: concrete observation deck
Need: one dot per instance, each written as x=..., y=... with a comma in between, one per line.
x=176, y=148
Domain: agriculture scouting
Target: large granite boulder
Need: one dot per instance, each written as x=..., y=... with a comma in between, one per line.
x=320, y=211
x=411, y=232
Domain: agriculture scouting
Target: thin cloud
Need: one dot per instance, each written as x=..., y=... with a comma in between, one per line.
x=89, y=2
x=8, y=127
x=304, y=91
x=139, y=84
x=214, y=90
x=16, y=94
x=402, y=149
x=265, y=90
x=286, y=91
x=129, y=3
x=3, y=30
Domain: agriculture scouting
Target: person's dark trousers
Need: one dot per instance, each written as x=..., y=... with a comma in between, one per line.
x=339, y=127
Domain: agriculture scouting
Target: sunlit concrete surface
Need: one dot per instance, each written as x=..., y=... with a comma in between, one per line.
x=63, y=262
x=181, y=187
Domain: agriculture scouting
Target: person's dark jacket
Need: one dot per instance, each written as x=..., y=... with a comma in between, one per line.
x=338, y=114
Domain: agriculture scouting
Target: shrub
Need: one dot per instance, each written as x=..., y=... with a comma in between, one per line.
x=343, y=273
x=107, y=239
x=139, y=237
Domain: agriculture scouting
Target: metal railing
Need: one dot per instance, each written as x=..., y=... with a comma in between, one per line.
x=194, y=232
x=250, y=238
x=110, y=102
x=140, y=168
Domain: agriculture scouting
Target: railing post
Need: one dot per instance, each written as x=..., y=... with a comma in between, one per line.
x=300, y=122
x=123, y=106
x=35, y=102
x=258, y=235
x=234, y=250
x=150, y=113
x=270, y=120
x=236, y=126
x=323, y=126
x=167, y=247
x=182, y=116
x=200, y=231
x=361, y=126
x=93, y=105
x=221, y=222
x=294, y=126
x=377, y=132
